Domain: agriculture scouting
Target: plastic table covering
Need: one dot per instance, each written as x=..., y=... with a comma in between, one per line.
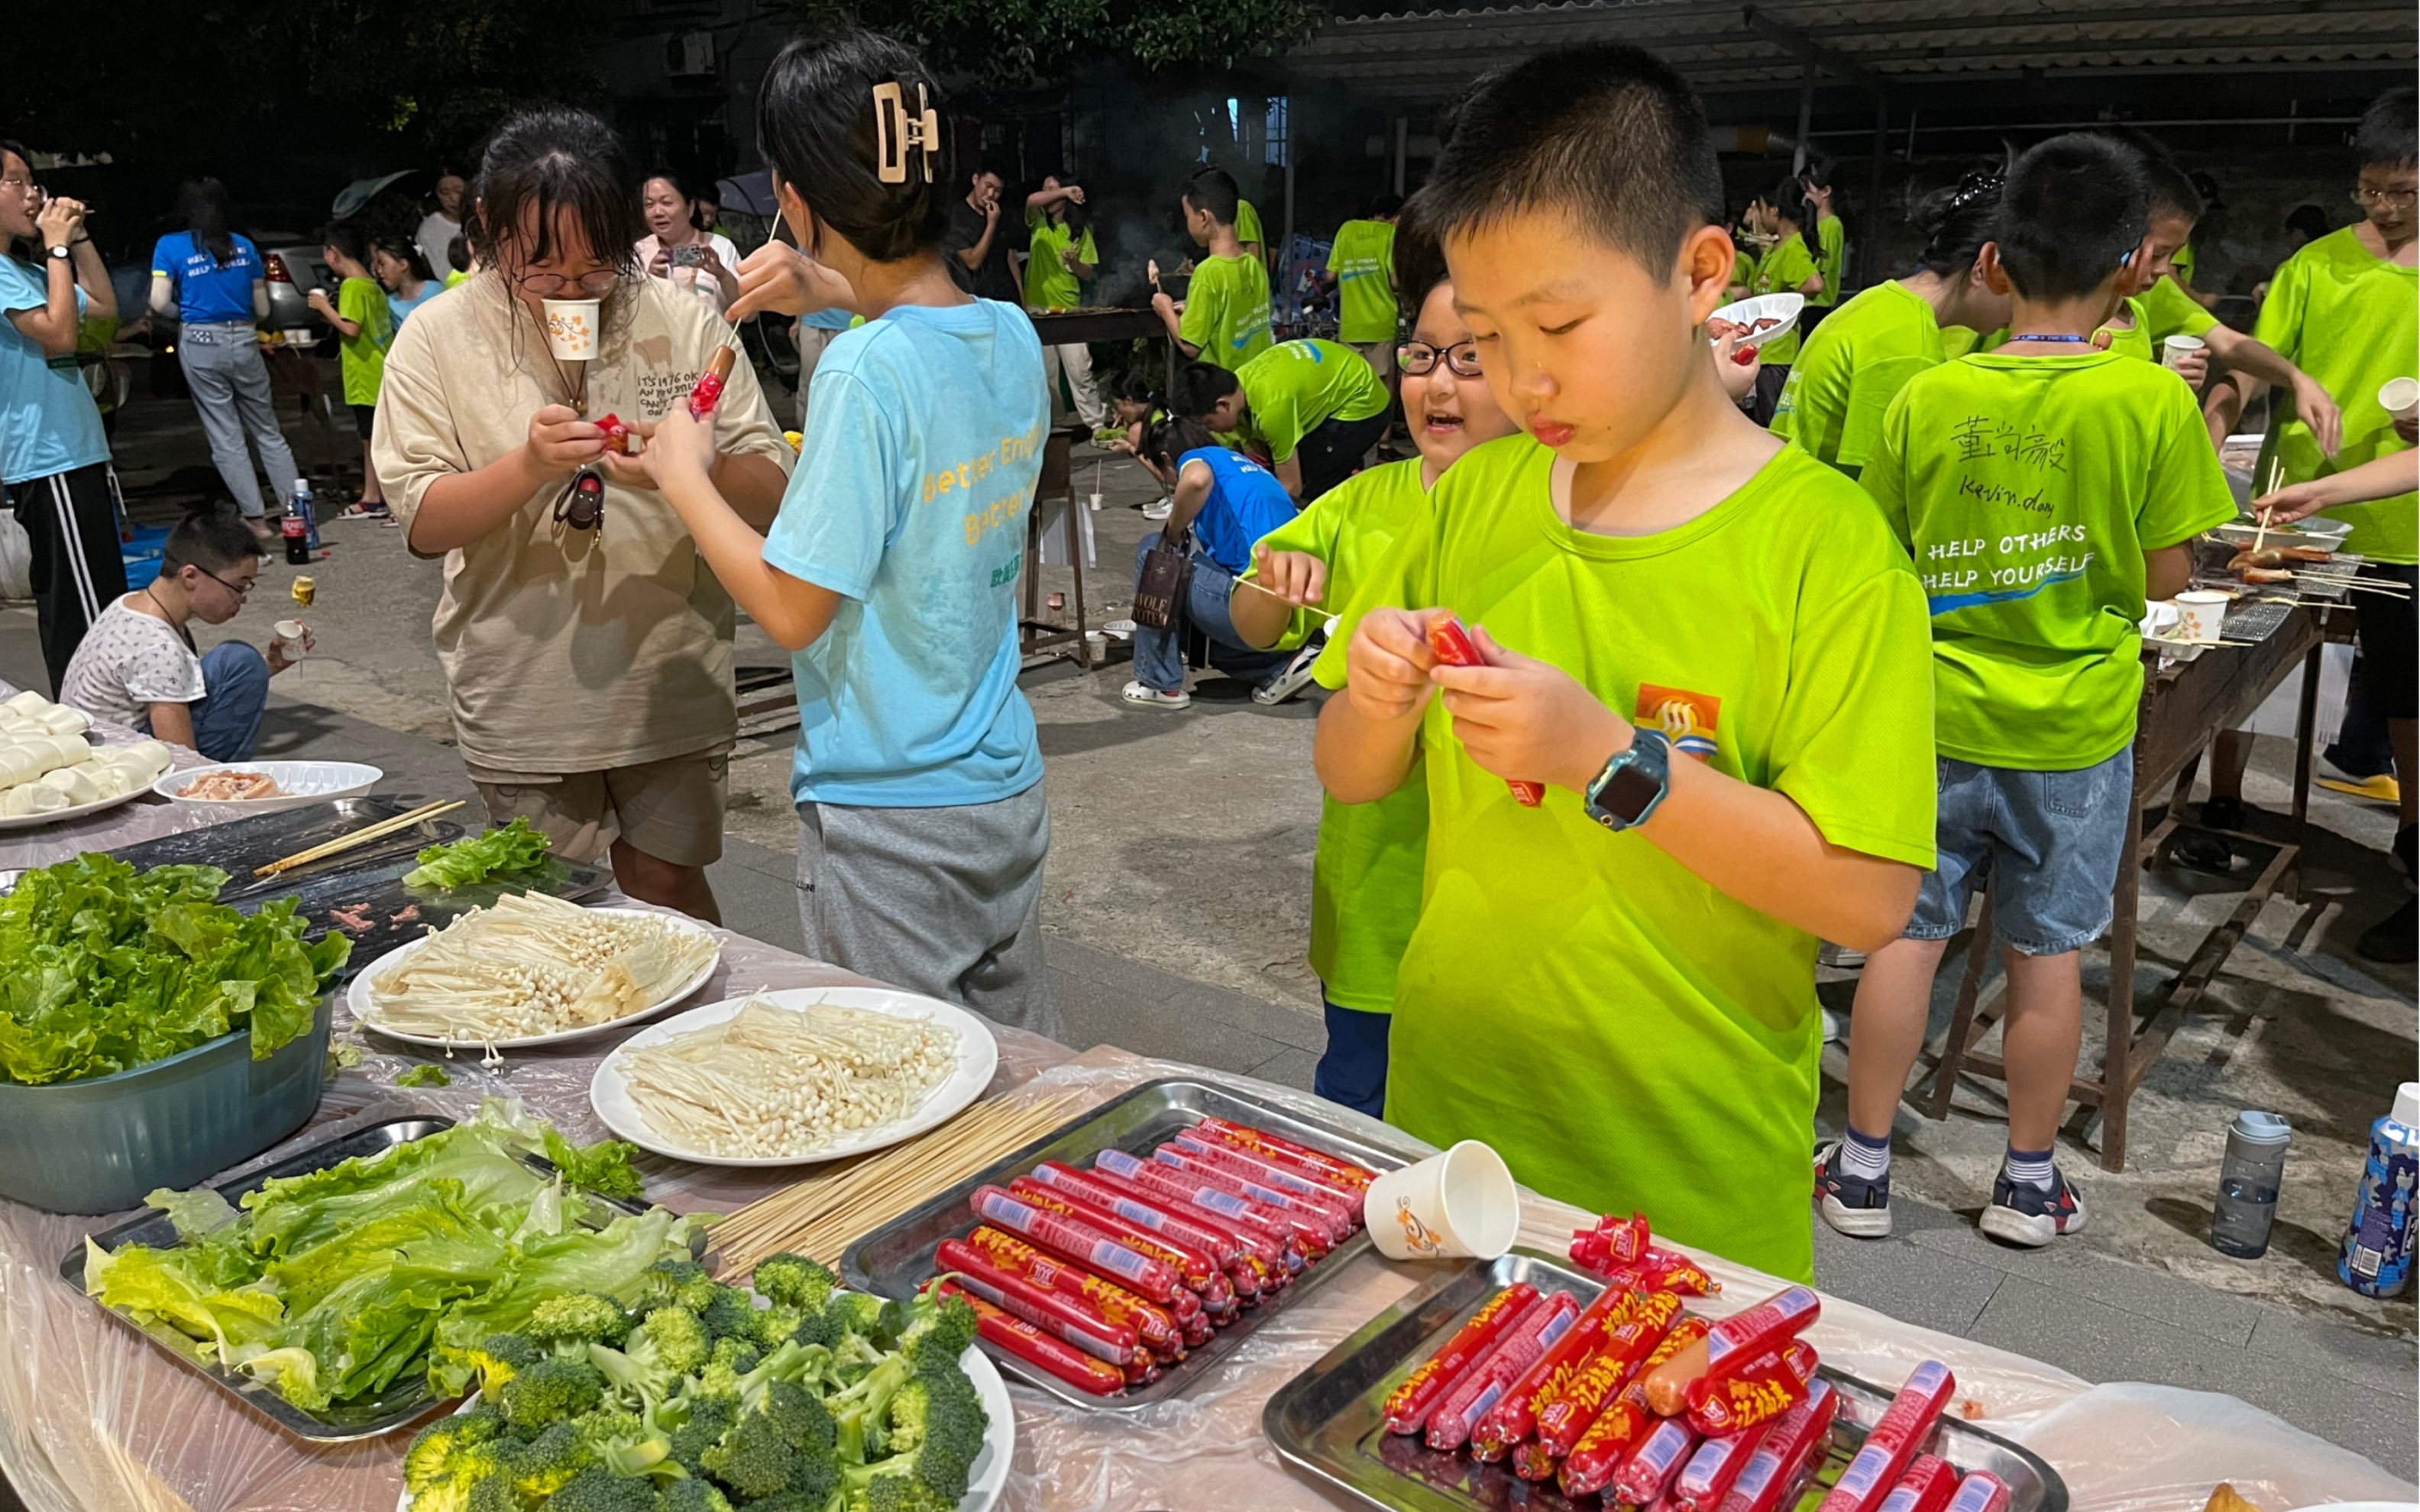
x=94, y=1416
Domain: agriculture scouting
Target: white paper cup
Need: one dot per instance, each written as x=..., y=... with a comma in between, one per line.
x=2204, y=611
x=1095, y=502
x=571, y=327
x=1462, y=1203
x=2399, y=396
x=288, y=634
x=2177, y=349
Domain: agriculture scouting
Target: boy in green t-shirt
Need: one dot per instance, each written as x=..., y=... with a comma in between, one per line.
x=1226, y=317
x=1060, y=258
x=1362, y=269
x=1248, y=232
x=1705, y=650
x=2045, y=490
x=364, y=328
x=1316, y=406
x=1789, y=268
x=1365, y=880
x=2347, y=307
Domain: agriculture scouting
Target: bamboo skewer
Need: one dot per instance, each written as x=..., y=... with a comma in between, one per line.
x=2261, y=534
x=2355, y=584
x=359, y=836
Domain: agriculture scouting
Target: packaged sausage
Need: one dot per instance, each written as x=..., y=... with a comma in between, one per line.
x=1614, y=1241
x=1729, y=1345
x=1301, y=1235
x=1071, y=1240
x=1893, y=1440
x=1072, y=1318
x=1155, y=1328
x=1087, y=1186
x=1656, y=1462
x=1714, y=1469
x=1980, y=1491
x=1627, y=1342
x=1793, y=1448
x=1274, y=1172
x=1450, y=1426
x=1451, y=642
x=1409, y=1405
x=1263, y=1184
x=1663, y=1270
x=1515, y=1419
x=1759, y=1392
x=1039, y=1350
x=1535, y=1462
x=1926, y=1487
x=1192, y=1267
x=1590, y=1465
x=1329, y=1224
x=1346, y=1173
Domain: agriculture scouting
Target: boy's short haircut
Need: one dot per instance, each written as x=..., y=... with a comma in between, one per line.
x=1214, y=190
x=2172, y=189
x=458, y=253
x=346, y=237
x=1385, y=205
x=213, y=539
x=1168, y=440
x=1608, y=134
x=1199, y=386
x=2073, y=207
x=2311, y=220
x=2387, y=130
x=1420, y=261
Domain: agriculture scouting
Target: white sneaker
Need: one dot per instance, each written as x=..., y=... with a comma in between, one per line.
x=1153, y=698
x=1160, y=510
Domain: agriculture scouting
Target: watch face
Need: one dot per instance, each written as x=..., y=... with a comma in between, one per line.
x=1629, y=794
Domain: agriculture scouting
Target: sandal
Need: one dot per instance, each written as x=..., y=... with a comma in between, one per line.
x=366, y=509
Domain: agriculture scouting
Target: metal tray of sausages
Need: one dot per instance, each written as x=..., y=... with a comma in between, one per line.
x=1327, y=1420
x=406, y=1401
x=897, y=1258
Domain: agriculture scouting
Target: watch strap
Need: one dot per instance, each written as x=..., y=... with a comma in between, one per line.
x=1648, y=753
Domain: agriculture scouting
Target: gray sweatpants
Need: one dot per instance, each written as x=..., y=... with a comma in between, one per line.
x=231, y=386
x=944, y=901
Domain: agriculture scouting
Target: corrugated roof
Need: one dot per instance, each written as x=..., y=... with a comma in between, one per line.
x=1912, y=43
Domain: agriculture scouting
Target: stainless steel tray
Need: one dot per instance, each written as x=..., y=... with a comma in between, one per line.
x=405, y=1402
x=896, y=1259
x=1326, y=1420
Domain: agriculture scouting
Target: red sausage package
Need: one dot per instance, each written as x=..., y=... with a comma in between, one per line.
x=1078, y=1242
x=1270, y=1172
x=1318, y=1223
x=1084, y=1186
x=1731, y=1344
x=1791, y=1449
x=1192, y=1267
x=1590, y=1465
x=1760, y=1391
x=1334, y=1168
x=1893, y=1440
x=1711, y=1473
x=1249, y=1219
x=709, y=392
x=1452, y=644
x=1450, y=1426
x=1409, y=1405
x=1037, y=1348
x=1613, y=1242
x=1656, y=1462
x=1627, y=1342
x=1980, y=1491
x=1055, y=1313
x=1155, y=1326
x=1925, y=1488
x=1512, y=1419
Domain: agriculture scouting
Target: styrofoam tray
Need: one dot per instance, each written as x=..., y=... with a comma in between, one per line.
x=608, y=1089
x=1781, y=307
x=299, y=783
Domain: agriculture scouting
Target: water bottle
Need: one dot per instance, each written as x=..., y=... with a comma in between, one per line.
x=2377, y=1256
x=2247, y=1184
x=304, y=504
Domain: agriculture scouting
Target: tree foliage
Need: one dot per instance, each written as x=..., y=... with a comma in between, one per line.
x=1016, y=43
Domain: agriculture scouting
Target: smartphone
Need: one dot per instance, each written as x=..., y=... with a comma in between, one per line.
x=692, y=255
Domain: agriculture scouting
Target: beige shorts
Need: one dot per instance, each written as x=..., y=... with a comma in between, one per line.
x=671, y=810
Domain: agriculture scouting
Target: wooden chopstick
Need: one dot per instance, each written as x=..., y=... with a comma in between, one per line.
x=2261, y=534
x=359, y=836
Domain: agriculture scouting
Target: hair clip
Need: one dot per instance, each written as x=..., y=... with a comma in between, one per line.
x=921, y=130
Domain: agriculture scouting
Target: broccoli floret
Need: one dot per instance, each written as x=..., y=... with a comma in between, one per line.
x=599, y=1490
x=477, y=1478
x=936, y=1411
x=801, y=1417
x=495, y=1362
x=681, y=1283
x=662, y=1351
x=942, y=1330
x=704, y=1421
x=626, y=1444
x=775, y=1325
x=580, y=1318
x=430, y=1459
x=729, y=1314
x=678, y=1339
x=740, y=1354
x=794, y=1281
x=694, y=1496
x=897, y=1493
x=546, y=1464
x=548, y=1392
x=855, y=1312
x=754, y=1458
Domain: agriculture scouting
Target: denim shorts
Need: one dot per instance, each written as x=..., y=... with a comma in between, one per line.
x=2049, y=842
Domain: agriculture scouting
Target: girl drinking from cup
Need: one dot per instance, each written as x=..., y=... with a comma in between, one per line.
x=891, y=569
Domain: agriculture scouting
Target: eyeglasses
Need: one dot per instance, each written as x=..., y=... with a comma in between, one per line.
x=17, y=185
x=597, y=284
x=241, y=590
x=1419, y=357
x=2386, y=196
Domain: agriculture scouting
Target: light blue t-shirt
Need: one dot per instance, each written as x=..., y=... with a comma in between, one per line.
x=1246, y=502
x=398, y=306
x=48, y=422
x=909, y=501
x=835, y=318
x=209, y=292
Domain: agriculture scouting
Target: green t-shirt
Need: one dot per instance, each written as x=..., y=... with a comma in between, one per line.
x=2348, y=320
x=1783, y=269
x=362, y=356
x=1227, y=310
x=2128, y=332
x=1852, y=369
x=1831, y=245
x=2167, y=309
x=1049, y=284
x=1247, y=223
x=1363, y=261
x=2027, y=489
x=1743, y=267
x=457, y=275
x=1296, y=387
x=1628, y=1037
x=2183, y=263
x=1365, y=880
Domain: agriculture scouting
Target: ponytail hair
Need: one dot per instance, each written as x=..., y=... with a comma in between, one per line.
x=851, y=120
x=1789, y=197
x=207, y=212
x=1957, y=221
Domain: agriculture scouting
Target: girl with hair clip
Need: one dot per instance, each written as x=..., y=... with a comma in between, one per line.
x=1786, y=214
x=586, y=648
x=892, y=570
x=1854, y=363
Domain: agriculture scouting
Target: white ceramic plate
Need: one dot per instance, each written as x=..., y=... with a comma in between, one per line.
x=609, y=1090
x=35, y=821
x=298, y=783
x=989, y=1475
x=1781, y=307
x=357, y=997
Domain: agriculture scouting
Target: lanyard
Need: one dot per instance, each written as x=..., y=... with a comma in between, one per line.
x=2074, y=340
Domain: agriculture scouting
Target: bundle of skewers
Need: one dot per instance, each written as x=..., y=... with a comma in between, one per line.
x=2303, y=568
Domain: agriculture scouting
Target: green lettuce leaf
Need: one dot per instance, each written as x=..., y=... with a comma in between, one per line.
x=516, y=847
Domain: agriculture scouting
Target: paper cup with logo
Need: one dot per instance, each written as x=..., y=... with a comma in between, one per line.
x=1462, y=1203
x=2205, y=612
x=2399, y=396
x=288, y=634
x=2177, y=349
x=571, y=329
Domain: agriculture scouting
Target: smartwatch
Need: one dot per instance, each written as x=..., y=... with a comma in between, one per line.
x=1632, y=785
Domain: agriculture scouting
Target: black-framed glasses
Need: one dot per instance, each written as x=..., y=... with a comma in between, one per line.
x=546, y=285
x=241, y=590
x=1417, y=357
